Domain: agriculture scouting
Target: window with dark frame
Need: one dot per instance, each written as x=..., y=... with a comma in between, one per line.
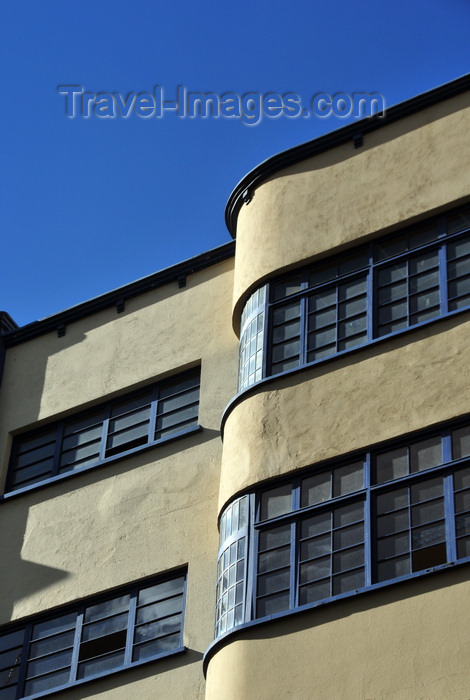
x=134, y=625
x=162, y=411
x=348, y=300
x=381, y=516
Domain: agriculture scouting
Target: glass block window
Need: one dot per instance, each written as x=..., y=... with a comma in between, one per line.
x=347, y=526
x=346, y=301
x=164, y=410
x=92, y=639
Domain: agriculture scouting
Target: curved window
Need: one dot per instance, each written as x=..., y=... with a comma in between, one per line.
x=250, y=368
x=231, y=568
x=351, y=525
x=369, y=292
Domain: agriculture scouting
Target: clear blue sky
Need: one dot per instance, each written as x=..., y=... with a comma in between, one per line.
x=88, y=205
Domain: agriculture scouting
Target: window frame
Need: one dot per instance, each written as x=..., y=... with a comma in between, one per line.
x=79, y=609
x=447, y=232
x=367, y=495
x=106, y=455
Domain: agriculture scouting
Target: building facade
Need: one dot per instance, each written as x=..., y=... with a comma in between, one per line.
x=247, y=476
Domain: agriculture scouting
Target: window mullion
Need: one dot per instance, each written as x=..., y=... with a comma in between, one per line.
x=371, y=298
x=24, y=660
x=153, y=414
x=58, y=449
x=104, y=433
x=251, y=561
x=293, y=594
x=449, y=512
x=76, y=646
x=131, y=622
x=444, y=307
x=303, y=329
x=367, y=522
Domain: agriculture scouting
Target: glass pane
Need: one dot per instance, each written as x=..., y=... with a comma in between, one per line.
x=391, y=546
x=462, y=501
x=348, y=479
x=109, y=607
x=285, y=351
x=58, y=624
x=315, y=569
x=153, y=611
x=51, y=644
x=427, y=512
x=321, y=338
x=322, y=300
x=101, y=664
x=271, y=583
x=49, y=663
x=426, y=490
x=348, y=559
x=392, y=273
x=393, y=500
x=392, y=246
x=286, y=332
x=461, y=442
x=392, y=292
x=8, y=693
x=348, y=582
x=395, y=522
x=286, y=313
x=354, y=262
x=462, y=479
x=287, y=287
x=351, y=289
x=273, y=559
x=275, y=537
x=425, y=454
x=424, y=282
x=354, y=307
x=320, y=319
x=54, y=680
x=348, y=536
x=425, y=301
x=273, y=604
x=157, y=646
x=316, y=489
x=401, y=566
x=316, y=525
x=314, y=591
x=11, y=657
x=157, y=629
x=104, y=627
x=316, y=547
x=348, y=514
x=425, y=261
x=276, y=502
x=393, y=312
x=12, y=639
x=462, y=525
x=391, y=464
x=323, y=274
x=463, y=547
x=428, y=535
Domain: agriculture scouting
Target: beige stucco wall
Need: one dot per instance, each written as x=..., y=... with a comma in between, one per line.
x=377, y=393
x=403, y=171
x=410, y=642
x=134, y=518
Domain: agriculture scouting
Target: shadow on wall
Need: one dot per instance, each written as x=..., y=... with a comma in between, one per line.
x=19, y=579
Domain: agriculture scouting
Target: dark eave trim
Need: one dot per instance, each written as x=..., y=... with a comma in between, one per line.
x=244, y=190
x=118, y=297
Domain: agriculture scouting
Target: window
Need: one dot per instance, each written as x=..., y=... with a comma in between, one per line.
x=93, y=638
x=346, y=301
x=165, y=410
x=346, y=526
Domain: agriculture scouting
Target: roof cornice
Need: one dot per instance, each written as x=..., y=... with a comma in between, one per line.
x=117, y=297
x=244, y=190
